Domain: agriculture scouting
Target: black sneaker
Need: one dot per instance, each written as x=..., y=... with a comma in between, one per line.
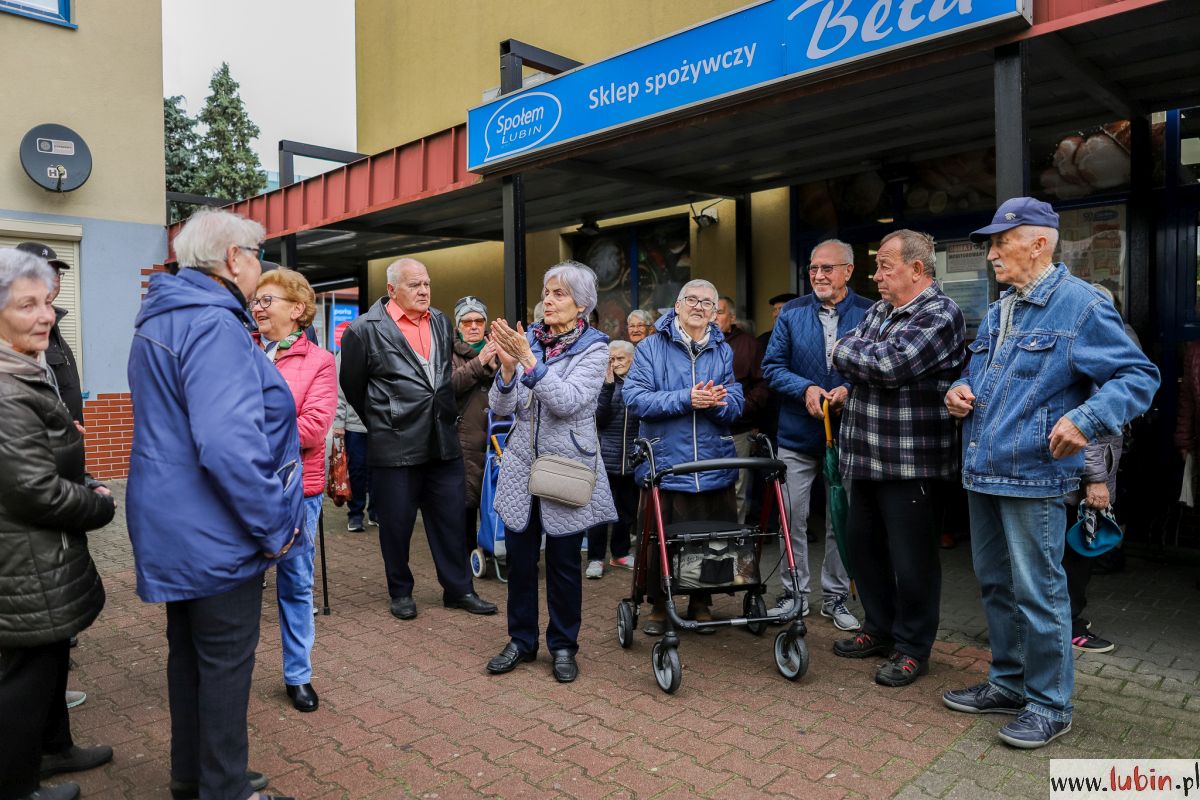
x=1088, y=642
x=861, y=646
x=355, y=525
x=983, y=698
x=901, y=670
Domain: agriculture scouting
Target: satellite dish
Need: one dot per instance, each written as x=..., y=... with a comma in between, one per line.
x=56, y=158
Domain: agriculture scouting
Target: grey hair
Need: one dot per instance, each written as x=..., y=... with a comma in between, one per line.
x=642, y=314
x=915, y=246
x=847, y=250
x=539, y=311
x=578, y=280
x=16, y=265
x=622, y=345
x=729, y=302
x=207, y=235
x=1031, y=232
x=399, y=265
x=698, y=283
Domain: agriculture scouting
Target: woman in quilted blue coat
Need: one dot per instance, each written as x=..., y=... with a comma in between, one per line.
x=683, y=389
x=549, y=379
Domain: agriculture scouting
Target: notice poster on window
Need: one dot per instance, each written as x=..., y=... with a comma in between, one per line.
x=1092, y=243
x=962, y=272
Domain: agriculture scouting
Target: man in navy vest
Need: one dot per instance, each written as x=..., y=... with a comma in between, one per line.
x=799, y=367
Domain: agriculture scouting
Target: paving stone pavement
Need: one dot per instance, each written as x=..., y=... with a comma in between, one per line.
x=407, y=710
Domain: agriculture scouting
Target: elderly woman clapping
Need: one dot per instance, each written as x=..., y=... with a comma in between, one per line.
x=215, y=490
x=550, y=379
x=283, y=307
x=49, y=588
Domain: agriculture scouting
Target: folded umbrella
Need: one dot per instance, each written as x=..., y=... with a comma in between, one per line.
x=838, y=506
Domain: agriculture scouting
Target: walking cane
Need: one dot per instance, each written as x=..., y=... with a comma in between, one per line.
x=324, y=576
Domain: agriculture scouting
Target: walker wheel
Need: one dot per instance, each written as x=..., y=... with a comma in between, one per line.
x=791, y=655
x=667, y=669
x=753, y=606
x=478, y=562
x=625, y=624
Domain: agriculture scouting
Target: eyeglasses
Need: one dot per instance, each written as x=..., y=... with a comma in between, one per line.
x=691, y=301
x=824, y=269
x=264, y=301
x=257, y=251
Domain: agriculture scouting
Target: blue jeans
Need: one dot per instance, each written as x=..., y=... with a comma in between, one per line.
x=360, y=477
x=1017, y=548
x=294, y=592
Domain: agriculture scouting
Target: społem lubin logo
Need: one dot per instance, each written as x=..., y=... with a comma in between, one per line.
x=520, y=124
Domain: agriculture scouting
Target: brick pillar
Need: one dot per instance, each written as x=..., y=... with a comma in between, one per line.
x=109, y=435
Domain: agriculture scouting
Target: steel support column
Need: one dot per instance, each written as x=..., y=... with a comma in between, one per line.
x=1012, y=130
x=1139, y=309
x=743, y=256
x=512, y=201
x=514, y=55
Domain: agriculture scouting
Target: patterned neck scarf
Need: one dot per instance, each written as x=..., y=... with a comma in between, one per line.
x=555, y=344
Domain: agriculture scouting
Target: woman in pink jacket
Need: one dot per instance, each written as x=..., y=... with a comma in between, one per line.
x=284, y=306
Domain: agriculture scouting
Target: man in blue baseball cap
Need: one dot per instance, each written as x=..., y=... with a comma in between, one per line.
x=1051, y=369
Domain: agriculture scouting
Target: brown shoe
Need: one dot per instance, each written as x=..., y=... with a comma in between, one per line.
x=656, y=623
x=700, y=611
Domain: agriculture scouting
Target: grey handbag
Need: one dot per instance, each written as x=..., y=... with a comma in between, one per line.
x=558, y=478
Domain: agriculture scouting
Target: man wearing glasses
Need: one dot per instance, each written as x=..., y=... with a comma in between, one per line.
x=799, y=367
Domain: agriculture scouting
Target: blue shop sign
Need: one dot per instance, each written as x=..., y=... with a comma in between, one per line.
x=772, y=42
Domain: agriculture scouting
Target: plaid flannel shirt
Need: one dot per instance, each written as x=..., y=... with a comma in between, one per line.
x=895, y=425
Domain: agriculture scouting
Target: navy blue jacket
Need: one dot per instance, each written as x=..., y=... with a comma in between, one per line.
x=214, y=476
x=795, y=360
x=658, y=389
x=618, y=428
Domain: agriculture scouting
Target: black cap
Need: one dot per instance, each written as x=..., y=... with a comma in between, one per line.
x=786, y=297
x=42, y=251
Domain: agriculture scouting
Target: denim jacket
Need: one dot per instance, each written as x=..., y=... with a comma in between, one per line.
x=1065, y=338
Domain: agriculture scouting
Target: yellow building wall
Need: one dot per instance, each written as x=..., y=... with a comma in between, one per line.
x=422, y=63
x=102, y=80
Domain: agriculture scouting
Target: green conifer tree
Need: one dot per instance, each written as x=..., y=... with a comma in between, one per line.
x=180, y=144
x=228, y=166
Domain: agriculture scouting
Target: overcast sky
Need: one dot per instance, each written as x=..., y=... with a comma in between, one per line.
x=294, y=60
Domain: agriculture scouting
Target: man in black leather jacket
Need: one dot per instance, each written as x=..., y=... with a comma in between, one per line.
x=396, y=369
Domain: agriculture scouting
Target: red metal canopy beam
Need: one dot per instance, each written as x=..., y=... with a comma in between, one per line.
x=420, y=169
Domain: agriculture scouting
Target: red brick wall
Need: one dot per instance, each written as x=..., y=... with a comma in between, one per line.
x=110, y=422
x=109, y=434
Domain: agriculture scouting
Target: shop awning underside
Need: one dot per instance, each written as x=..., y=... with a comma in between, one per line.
x=1104, y=69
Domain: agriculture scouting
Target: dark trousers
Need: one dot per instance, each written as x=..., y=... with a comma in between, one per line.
x=893, y=547
x=33, y=713
x=625, y=495
x=209, y=665
x=564, y=586
x=360, y=476
x=717, y=505
x=1079, y=575
x=437, y=489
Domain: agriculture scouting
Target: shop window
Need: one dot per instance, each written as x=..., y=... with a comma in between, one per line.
x=1197, y=301
x=56, y=11
x=848, y=200
x=951, y=184
x=1189, y=145
x=637, y=266
x=1093, y=244
x=1083, y=163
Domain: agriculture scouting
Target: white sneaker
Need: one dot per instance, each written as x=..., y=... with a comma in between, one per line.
x=595, y=569
x=75, y=699
x=783, y=606
x=835, y=609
